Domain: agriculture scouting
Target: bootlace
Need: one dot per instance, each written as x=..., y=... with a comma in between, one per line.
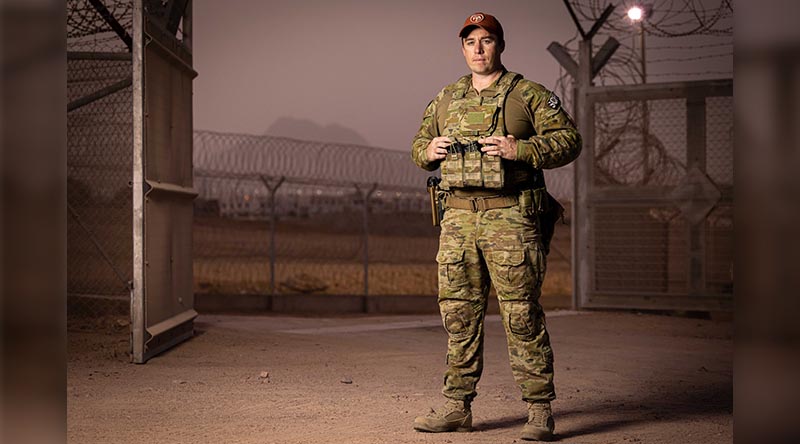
x=538, y=413
x=449, y=407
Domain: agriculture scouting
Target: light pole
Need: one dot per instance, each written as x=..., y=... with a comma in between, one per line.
x=640, y=13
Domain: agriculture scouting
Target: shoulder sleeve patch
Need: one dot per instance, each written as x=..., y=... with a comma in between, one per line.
x=553, y=102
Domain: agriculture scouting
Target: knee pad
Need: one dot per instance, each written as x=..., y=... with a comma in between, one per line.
x=523, y=319
x=459, y=318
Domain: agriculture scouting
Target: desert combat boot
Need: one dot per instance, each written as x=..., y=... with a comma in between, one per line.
x=540, y=424
x=454, y=416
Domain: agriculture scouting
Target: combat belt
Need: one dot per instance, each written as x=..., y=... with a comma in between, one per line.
x=532, y=202
x=480, y=203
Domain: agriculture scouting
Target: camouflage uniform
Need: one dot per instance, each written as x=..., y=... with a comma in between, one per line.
x=501, y=245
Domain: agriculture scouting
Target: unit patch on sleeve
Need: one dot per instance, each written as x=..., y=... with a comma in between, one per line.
x=553, y=101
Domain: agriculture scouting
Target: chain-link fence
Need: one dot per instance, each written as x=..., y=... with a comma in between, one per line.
x=661, y=201
x=99, y=140
x=273, y=216
x=640, y=143
x=719, y=223
x=284, y=216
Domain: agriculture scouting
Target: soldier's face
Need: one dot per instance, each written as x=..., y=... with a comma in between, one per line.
x=482, y=51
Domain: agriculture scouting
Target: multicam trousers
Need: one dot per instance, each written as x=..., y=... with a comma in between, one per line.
x=502, y=247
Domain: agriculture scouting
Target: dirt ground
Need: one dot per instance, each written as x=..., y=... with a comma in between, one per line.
x=620, y=378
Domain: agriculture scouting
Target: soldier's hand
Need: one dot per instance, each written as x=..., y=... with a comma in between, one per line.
x=503, y=146
x=437, y=149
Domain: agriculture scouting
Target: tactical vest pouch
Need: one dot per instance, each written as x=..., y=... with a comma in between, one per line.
x=472, y=117
x=472, y=165
x=492, y=168
x=453, y=169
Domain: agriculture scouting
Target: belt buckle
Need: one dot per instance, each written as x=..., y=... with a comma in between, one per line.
x=478, y=204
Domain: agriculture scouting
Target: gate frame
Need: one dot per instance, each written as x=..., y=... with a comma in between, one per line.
x=695, y=93
x=172, y=327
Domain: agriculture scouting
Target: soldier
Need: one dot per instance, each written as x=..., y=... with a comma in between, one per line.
x=492, y=132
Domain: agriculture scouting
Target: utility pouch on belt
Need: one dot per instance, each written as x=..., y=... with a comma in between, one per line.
x=540, y=203
x=453, y=167
x=526, y=203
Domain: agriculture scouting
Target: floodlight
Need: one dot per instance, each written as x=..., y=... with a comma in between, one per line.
x=636, y=13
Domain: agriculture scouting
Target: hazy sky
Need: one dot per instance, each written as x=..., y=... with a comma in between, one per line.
x=355, y=71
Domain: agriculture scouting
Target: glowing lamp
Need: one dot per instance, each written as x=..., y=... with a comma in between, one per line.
x=636, y=13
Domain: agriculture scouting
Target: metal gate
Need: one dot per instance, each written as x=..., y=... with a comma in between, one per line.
x=653, y=215
x=162, y=303
x=129, y=164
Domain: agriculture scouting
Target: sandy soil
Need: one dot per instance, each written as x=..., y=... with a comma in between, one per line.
x=620, y=377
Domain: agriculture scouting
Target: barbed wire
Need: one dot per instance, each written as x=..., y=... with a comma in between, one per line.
x=668, y=18
x=217, y=152
x=690, y=59
x=321, y=164
x=692, y=47
x=87, y=30
x=84, y=20
x=618, y=124
x=698, y=74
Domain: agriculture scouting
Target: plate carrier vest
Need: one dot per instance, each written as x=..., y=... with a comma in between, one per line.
x=466, y=121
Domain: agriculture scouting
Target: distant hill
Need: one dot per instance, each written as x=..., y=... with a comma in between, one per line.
x=304, y=129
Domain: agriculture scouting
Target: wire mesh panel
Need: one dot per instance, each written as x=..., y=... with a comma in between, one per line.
x=719, y=239
x=719, y=250
x=99, y=141
x=98, y=190
x=639, y=250
x=660, y=199
x=719, y=139
x=640, y=142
